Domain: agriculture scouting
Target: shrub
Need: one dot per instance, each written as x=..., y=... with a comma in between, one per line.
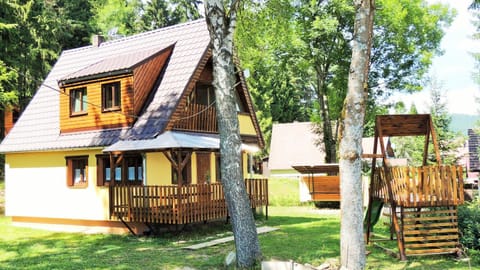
x=469, y=224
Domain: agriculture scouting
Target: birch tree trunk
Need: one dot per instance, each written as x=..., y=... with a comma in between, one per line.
x=221, y=19
x=352, y=242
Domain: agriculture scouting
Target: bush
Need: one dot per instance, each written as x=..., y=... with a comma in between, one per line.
x=469, y=224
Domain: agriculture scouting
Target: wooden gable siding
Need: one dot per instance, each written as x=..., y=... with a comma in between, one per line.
x=95, y=118
x=207, y=74
x=178, y=113
x=145, y=76
x=192, y=120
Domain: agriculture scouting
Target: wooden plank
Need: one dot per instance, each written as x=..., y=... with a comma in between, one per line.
x=431, y=231
x=419, y=219
x=432, y=251
x=431, y=212
x=432, y=244
x=431, y=238
x=430, y=225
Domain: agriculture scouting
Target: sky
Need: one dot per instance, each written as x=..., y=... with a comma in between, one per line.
x=455, y=67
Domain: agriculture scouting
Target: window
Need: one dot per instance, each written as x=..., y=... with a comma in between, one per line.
x=134, y=168
x=111, y=99
x=78, y=101
x=129, y=170
x=204, y=94
x=77, y=168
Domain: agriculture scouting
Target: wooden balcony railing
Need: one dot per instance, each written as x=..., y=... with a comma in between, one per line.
x=425, y=186
x=197, y=117
x=178, y=204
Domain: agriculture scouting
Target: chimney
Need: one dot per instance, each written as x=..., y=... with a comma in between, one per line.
x=97, y=40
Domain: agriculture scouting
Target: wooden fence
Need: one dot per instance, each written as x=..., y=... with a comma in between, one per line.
x=420, y=186
x=174, y=204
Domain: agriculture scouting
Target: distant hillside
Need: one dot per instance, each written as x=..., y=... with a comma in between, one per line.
x=462, y=122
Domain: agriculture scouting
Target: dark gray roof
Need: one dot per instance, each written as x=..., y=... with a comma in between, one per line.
x=108, y=66
x=38, y=128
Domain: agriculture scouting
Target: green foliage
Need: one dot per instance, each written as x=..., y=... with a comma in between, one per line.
x=117, y=17
x=308, y=63
x=447, y=142
x=469, y=224
x=277, y=84
x=120, y=17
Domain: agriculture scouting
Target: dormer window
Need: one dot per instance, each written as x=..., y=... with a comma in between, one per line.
x=111, y=99
x=78, y=101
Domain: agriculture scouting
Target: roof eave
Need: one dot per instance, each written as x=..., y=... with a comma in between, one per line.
x=63, y=83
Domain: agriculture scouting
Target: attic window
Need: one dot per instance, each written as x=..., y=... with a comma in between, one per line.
x=111, y=99
x=78, y=101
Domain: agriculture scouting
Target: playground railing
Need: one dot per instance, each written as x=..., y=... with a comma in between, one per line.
x=420, y=186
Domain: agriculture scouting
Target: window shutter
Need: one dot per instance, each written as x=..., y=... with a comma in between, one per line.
x=100, y=171
x=69, y=172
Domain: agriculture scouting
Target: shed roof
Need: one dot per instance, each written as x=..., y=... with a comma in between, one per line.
x=38, y=128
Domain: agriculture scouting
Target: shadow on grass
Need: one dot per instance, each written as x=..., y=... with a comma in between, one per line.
x=305, y=239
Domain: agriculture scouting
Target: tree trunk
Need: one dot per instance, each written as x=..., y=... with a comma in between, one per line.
x=221, y=24
x=352, y=243
x=329, y=141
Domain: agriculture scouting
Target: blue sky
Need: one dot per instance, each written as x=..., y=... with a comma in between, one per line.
x=454, y=68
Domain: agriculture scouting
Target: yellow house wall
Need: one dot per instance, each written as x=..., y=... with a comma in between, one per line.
x=213, y=169
x=158, y=169
x=246, y=124
x=36, y=186
x=193, y=167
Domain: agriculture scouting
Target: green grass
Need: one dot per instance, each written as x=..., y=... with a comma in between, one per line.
x=2, y=197
x=283, y=192
x=304, y=236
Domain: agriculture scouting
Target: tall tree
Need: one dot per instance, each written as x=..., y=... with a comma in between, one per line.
x=75, y=16
x=31, y=47
x=409, y=34
x=447, y=143
x=221, y=18
x=352, y=245
x=117, y=17
x=277, y=84
x=160, y=13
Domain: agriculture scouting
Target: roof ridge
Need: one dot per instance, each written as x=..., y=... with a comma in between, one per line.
x=135, y=36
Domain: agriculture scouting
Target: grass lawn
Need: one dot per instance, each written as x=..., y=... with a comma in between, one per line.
x=2, y=197
x=306, y=235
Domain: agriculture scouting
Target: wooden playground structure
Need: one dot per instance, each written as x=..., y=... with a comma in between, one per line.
x=423, y=200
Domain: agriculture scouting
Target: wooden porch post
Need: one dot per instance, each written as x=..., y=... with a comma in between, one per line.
x=177, y=162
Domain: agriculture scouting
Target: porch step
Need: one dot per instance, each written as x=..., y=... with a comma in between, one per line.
x=260, y=230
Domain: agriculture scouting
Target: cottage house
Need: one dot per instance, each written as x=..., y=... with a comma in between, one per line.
x=124, y=132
